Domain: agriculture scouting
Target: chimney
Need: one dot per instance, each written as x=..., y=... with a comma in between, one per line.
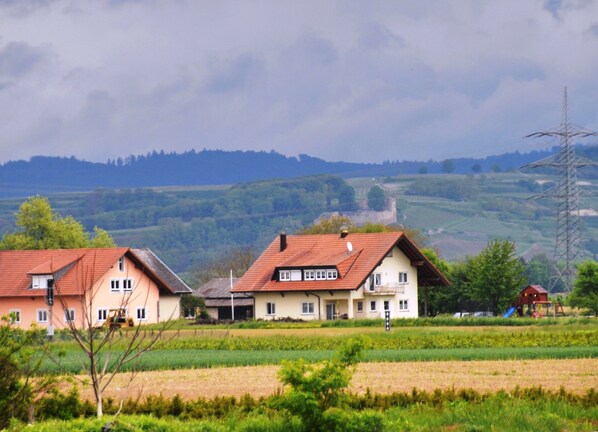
x=283, y=241
x=344, y=233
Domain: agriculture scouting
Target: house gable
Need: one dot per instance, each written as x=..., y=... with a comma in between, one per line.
x=109, y=274
x=353, y=257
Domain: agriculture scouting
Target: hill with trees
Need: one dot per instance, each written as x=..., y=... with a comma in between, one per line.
x=47, y=175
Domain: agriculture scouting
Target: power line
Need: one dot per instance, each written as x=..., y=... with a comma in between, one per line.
x=566, y=192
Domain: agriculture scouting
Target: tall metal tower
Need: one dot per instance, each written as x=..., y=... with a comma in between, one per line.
x=566, y=192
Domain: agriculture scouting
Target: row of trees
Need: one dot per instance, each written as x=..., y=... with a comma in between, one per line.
x=493, y=279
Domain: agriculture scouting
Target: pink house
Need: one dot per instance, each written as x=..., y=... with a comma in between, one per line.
x=88, y=286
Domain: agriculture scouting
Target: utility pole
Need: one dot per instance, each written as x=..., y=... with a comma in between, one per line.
x=568, y=246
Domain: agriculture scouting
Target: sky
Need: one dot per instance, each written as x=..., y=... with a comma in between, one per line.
x=346, y=80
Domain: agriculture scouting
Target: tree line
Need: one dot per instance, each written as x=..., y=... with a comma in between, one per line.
x=43, y=174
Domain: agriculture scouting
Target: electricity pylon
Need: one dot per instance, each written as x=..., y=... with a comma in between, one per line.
x=567, y=247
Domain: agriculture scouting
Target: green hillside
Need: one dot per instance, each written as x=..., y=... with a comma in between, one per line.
x=191, y=226
x=499, y=207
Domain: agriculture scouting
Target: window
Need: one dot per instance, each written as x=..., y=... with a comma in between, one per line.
x=321, y=274
x=373, y=306
x=309, y=274
x=377, y=279
x=295, y=275
x=15, y=316
x=102, y=314
x=40, y=281
x=128, y=284
x=403, y=305
x=270, y=308
x=307, y=308
x=386, y=305
x=125, y=283
x=69, y=315
x=42, y=315
x=331, y=274
x=284, y=275
x=190, y=313
x=359, y=306
x=121, y=264
x=402, y=277
x=141, y=314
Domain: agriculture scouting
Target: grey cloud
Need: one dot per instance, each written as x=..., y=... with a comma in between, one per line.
x=22, y=8
x=311, y=50
x=553, y=6
x=234, y=74
x=18, y=58
x=375, y=35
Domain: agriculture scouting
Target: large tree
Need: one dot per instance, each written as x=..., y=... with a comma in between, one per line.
x=496, y=275
x=335, y=224
x=376, y=199
x=585, y=293
x=41, y=228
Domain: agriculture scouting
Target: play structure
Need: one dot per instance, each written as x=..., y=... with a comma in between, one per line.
x=533, y=301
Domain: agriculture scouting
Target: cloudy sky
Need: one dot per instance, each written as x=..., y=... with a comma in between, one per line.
x=341, y=80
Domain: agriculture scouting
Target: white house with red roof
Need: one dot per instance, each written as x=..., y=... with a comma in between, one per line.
x=88, y=285
x=332, y=276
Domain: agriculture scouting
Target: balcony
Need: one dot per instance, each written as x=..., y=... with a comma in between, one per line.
x=386, y=289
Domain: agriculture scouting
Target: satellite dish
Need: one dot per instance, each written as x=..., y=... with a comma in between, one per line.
x=349, y=247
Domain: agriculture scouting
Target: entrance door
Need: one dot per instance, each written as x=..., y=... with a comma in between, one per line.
x=330, y=311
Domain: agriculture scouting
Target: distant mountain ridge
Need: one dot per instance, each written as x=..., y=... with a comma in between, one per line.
x=44, y=174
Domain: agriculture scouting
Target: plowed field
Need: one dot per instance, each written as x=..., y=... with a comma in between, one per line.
x=486, y=376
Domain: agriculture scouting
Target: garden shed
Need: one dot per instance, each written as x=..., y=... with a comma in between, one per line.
x=217, y=296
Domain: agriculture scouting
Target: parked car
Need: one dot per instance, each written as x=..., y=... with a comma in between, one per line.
x=483, y=314
x=460, y=314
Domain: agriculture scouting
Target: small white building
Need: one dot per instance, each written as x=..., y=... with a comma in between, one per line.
x=330, y=276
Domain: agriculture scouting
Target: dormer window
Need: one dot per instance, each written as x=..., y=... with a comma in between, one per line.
x=40, y=281
x=307, y=275
x=320, y=274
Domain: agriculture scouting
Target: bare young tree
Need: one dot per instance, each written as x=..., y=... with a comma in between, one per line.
x=108, y=349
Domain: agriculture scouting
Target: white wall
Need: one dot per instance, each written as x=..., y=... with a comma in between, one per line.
x=290, y=305
x=170, y=307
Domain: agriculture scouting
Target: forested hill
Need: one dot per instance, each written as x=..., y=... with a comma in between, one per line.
x=44, y=175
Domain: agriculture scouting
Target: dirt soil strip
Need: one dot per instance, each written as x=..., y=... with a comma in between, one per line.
x=576, y=376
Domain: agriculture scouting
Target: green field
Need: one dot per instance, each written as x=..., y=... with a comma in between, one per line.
x=208, y=347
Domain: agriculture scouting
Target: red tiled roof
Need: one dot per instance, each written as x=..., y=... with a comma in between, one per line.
x=330, y=250
x=73, y=269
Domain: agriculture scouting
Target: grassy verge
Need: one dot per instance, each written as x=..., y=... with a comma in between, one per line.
x=191, y=358
x=520, y=410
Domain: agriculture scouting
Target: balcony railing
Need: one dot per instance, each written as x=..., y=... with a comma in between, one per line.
x=386, y=289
